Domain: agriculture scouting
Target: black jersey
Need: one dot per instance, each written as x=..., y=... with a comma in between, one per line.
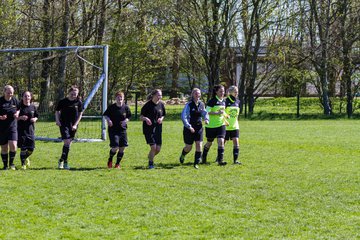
x=27, y=128
x=8, y=108
x=117, y=115
x=153, y=112
x=69, y=110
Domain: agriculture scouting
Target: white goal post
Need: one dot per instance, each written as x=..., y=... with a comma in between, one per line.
x=101, y=82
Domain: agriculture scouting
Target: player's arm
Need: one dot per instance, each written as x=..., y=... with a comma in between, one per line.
x=185, y=116
x=161, y=119
x=57, y=118
x=77, y=121
x=108, y=120
x=145, y=119
x=204, y=114
x=16, y=114
x=35, y=118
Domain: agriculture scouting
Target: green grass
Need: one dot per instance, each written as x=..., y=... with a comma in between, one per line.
x=299, y=180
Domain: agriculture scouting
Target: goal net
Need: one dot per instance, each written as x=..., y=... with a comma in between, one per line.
x=48, y=73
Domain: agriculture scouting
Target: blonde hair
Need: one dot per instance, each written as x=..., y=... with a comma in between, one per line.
x=193, y=92
x=232, y=89
x=8, y=87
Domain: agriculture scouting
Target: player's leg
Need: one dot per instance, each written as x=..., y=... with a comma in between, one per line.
x=27, y=146
x=184, y=152
x=197, y=157
x=119, y=157
x=210, y=136
x=114, y=147
x=188, y=137
x=5, y=155
x=236, y=150
x=112, y=153
x=152, y=154
x=63, y=162
x=12, y=153
x=123, y=143
x=220, y=139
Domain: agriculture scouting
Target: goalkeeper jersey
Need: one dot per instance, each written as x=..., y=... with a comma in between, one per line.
x=232, y=110
x=214, y=105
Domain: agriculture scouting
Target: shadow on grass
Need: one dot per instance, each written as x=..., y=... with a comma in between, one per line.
x=164, y=166
x=71, y=169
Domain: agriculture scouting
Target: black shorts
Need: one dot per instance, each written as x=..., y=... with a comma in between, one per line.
x=230, y=134
x=26, y=142
x=118, y=139
x=9, y=134
x=219, y=132
x=67, y=132
x=190, y=138
x=154, y=136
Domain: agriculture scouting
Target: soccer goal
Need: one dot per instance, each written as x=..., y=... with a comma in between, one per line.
x=48, y=73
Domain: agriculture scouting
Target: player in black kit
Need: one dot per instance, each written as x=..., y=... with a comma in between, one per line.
x=9, y=112
x=152, y=115
x=68, y=115
x=117, y=115
x=26, y=129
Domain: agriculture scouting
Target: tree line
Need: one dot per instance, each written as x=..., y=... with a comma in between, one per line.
x=262, y=46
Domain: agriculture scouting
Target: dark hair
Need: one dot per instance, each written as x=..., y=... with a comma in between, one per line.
x=153, y=92
x=31, y=95
x=73, y=88
x=216, y=88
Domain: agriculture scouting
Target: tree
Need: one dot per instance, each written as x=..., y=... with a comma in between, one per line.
x=349, y=27
x=207, y=24
x=321, y=19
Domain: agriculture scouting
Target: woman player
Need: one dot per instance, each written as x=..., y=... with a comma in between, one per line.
x=191, y=116
x=68, y=115
x=216, y=127
x=9, y=112
x=232, y=130
x=26, y=128
x=117, y=115
x=152, y=115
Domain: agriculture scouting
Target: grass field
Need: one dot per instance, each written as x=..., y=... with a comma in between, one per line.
x=299, y=180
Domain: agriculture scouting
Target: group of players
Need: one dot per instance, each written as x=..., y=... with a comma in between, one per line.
x=17, y=128
x=220, y=115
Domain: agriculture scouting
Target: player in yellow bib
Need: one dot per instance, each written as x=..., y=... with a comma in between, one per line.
x=232, y=129
x=216, y=126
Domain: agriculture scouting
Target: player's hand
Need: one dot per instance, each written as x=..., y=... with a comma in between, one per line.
x=33, y=120
x=159, y=121
x=148, y=121
x=123, y=124
x=23, y=117
x=74, y=127
x=16, y=115
x=206, y=122
x=3, y=117
x=110, y=123
x=221, y=111
x=192, y=130
x=58, y=123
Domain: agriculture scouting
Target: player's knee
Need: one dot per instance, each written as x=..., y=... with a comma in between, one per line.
x=187, y=148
